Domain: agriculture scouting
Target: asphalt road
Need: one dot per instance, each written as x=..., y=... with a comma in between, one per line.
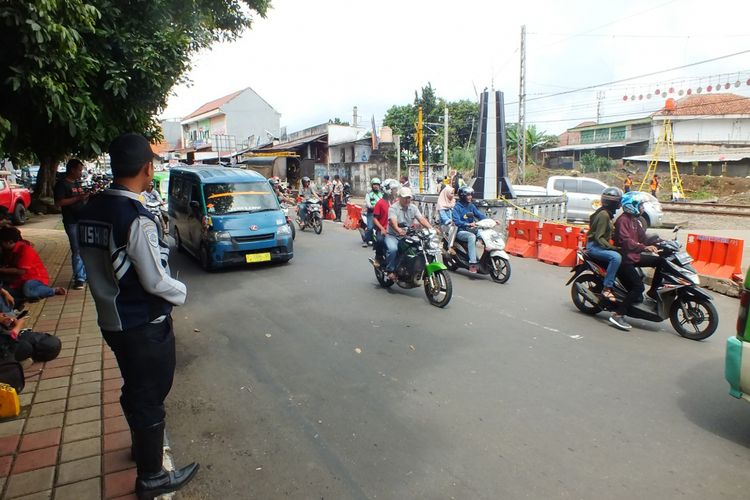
x=308, y=381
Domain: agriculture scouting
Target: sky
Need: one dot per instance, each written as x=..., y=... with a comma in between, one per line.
x=315, y=60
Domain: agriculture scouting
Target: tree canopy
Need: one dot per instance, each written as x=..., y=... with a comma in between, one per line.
x=76, y=73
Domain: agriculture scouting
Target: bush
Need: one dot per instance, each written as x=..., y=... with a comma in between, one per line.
x=590, y=162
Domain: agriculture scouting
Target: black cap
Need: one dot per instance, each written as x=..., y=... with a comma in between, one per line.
x=130, y=151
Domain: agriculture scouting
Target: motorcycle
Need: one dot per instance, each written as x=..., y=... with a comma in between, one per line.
x=313, y=217
x=494, y=260
x=285, y=209
x=689, y=308
x=417, y=262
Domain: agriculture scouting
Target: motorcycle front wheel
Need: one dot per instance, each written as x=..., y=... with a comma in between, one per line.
x=438, y=288
x=586, y=281
x=317, y=225
x=697, y=321
x=499, y=269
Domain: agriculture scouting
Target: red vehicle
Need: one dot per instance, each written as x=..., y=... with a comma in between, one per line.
x=15, y=200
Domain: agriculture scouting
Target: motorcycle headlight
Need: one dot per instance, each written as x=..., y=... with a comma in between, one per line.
x=284, y=230
x=219, y=236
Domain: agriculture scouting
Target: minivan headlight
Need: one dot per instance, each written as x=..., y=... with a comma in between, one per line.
x=219, y=236
x=284, y=230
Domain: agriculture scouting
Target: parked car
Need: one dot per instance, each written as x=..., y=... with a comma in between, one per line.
x=583, y=195
x=227, y=216
x=737, y=359
x=14, y=200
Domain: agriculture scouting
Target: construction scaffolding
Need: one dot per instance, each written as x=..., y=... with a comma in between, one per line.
x=665, y=140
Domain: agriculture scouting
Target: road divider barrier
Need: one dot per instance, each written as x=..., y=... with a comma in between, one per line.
x=715, y=256
x=559, y=244
x=353, y=216
x=523, y=238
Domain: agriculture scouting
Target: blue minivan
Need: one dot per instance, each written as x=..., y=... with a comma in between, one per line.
x=227, y=216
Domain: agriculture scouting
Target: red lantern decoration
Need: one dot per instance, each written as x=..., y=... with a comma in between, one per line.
x=709, y=88
x=699, y=89
x=737, y=83
x=670, y=104
x=689, y=92
x=748, y=81
x=648, y=96
x=727, y=86
x=681, y=92
x=640, y=97
x=658, y=92
x=624, y=98
x=671, y=90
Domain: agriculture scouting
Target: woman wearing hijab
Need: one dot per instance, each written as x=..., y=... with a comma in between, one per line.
x=445, y=204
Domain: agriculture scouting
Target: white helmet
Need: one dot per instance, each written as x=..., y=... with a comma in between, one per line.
x=405, y=192
x=390, y=184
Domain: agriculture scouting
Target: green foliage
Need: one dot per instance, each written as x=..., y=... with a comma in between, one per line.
x=536, y=141
x=74, y=74
x=338, y=121
x=462, y=158
x=590, y=162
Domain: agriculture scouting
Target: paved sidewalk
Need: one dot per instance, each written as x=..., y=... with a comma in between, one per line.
x=70, y=441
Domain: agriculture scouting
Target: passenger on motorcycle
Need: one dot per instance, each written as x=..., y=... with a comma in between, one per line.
x=600, y=233
x=276, y=186
x=307, y=193
x=151, y=195
x=403, y=212
x=445, y=203
x=464, y=215
x=380, y=216
x=638, y=250
x=371, y=199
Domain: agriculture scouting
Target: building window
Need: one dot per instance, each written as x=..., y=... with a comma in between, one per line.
x=617, y=134
x=587, y=136
x=601, y=135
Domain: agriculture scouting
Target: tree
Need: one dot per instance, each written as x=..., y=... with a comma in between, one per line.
x=591, y=162
x=338, y=121
x=75, y=74
x=535, y=141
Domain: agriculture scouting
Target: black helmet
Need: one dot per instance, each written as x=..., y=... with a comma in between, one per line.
x=611, y=198
x=464, y=192
x=305, y=179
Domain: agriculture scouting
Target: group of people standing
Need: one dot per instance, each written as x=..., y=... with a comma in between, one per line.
x=653, y=186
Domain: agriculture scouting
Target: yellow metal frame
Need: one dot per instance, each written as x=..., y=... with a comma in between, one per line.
x=666, y=138
x=287, y=154
x=420, y=147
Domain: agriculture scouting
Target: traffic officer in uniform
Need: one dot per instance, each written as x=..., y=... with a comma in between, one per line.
x=126, y=259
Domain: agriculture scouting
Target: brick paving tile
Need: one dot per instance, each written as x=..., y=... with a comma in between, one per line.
x=51, y=395
x=36, y=459
x=115, y=424
x=11, y=428
x=70, y=315
x=45, y=325
x=77, y=432
x=110, y=363
x=87, y=367
x=117, y=460
x=88, y=350
x=90, y=342
x=85, y=490
x=43, y=439
x=127, y=497
x=119, y=483
x=67, y=352
x=111, y=410
x=56, y=372
x=8, y=444
x=30, y=482
x=108, y=354
x=84, y=401
x=81, y=449
x=48, y=408
x=87, y=388
x=111, y=396
x=116, y=441
x=79, y=470
x=25, y=400
x=42, y=495
x=54, y=383
x=5, y=463
x=83, y=415
x=43, y=423
x=58, y=363
x=112, y=384
x=68, y=324
x=82, y=378
x=111, y=373
x=30, y=387
x=87, y=358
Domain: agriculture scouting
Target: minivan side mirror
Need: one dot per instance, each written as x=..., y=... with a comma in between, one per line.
x=195, y=206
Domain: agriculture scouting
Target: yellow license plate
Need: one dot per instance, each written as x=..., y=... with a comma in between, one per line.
x=258, y=257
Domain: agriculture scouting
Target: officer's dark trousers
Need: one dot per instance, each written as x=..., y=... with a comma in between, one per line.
x=146, y=356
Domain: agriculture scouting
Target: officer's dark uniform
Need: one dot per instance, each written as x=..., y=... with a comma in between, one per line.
x=126, y=260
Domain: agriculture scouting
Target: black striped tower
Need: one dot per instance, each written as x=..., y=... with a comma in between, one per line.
x=491, y=165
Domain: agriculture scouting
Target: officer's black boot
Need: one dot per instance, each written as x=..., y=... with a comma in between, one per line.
x=152, y=479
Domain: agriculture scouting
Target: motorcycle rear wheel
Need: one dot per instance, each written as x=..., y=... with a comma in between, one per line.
x=581, y=302
x=701, y=312
x=440, y=295
x=381, y=277
x=499, y=269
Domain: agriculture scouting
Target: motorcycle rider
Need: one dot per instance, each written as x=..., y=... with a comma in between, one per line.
x=371, y=199
x=307, y=193
x=380, y=217
x=464, y=215
x=151, y=195
x=598, y=244
x=638, y=250
x=403, y=212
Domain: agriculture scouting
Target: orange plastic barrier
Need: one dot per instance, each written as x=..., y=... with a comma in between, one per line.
x=559, y=244
x=523, y=238
x=715, y=256
x=353, y=216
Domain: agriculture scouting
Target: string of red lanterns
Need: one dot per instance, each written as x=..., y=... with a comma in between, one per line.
x=680, y=92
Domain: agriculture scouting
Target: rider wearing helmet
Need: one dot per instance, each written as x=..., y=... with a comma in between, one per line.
x=637, y=250
x=598, y=243
x=403, y=212
x=307, y=192
x=371, y=199
x=465, y=214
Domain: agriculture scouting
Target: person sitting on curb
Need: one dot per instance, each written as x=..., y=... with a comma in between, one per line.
x=23, y=269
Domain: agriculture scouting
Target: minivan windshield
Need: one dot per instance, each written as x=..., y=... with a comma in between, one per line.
x=240, y=197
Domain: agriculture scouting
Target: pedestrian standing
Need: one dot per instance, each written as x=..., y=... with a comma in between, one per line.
x=338, y=192
x=405, y=181
x=126, y=256
x=628, y=183
x=71, y=198
x=654, y=185
x=325, y=193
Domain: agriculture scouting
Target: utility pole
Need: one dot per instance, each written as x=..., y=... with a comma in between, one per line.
x=522, y=111
x=445, y=138
x=420, y=147
x=599, y=99
x=397, y=138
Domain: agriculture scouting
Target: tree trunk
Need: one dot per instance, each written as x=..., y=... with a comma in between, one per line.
x=42, y=200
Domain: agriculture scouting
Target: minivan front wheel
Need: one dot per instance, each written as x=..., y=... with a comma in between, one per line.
x=206, y=263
